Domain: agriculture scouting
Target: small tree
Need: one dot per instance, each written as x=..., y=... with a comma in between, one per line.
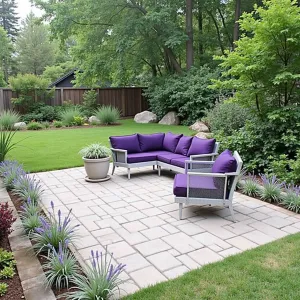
x=264, y=68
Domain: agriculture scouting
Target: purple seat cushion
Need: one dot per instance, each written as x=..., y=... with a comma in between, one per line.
x=225, y=163
x=167, y=157
x=140, y=157
x=179, y=162
x=183, y=145
x=170, y=141
x=201, y=146
x=151, y=142
x=126, y=142
x=180, y=184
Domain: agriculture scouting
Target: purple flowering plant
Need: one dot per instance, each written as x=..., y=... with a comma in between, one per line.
x=291, y=198
x=272, y=188
x=101, y=278
x=61, y=267
x=57, y=229
x=10, y=170
x=29, y=215
x=250, y=186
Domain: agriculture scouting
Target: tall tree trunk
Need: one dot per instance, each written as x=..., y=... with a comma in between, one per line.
x=236, y=30
x=173, y=61
x=200, y=27
x=231, y=45
x=189, y=31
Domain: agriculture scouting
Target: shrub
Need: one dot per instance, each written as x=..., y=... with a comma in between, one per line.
x=48, y=113
x=188, y=95
x=57, y=124
x=100, y=280
x=95, y=151
x=10, y=170
x=7, y=272
x=291, y=198
x=6, y=259
x=107, y=115
x=3, y=288
x=89, y=102
x=54, y=231
x=78, y=121
x=61, y=267
x=8, y=118
x=250, y=186
x=34, y=126
x=6, y=143
x=226, y=117
x=7, y=219
x=68, y=114
x=46, y=124
x=28, y=187
x=271, y=191
x=32, y=117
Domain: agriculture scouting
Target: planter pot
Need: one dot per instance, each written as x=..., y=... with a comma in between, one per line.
x=96, y=169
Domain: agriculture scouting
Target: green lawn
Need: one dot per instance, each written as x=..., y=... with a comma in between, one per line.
x=57, y=149
x=268, y=272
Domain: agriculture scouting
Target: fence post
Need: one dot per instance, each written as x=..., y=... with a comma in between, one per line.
x=61, y=96
x=123, y=103
x=1, y=100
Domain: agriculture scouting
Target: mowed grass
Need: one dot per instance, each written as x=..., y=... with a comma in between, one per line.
x=268, y=272
x=58, y=149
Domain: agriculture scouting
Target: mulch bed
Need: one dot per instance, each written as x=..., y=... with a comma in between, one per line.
x=15, y=290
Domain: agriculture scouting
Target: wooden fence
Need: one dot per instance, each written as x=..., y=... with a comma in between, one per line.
x=129, y=100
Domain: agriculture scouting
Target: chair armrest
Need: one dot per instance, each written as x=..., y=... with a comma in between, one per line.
x=199, y=156
x=198, y=165
x=207, y=174
x=119, y=155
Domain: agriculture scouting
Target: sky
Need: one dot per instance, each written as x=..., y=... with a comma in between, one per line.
x=24, y=8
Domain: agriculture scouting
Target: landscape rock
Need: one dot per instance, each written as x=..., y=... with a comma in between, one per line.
x=93, y=119
x=20, y=125
x=199, y=127
x=145, y=117
x=170, y=119
x=203, y=135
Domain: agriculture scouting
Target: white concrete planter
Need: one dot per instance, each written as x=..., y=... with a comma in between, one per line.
x=96, y=169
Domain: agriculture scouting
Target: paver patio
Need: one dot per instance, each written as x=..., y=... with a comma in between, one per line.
x=137, y=220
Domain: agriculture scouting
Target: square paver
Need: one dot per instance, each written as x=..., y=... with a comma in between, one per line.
x=204, y=256
x=120, y=249
x=134, y=262
x=241, y=242
x=164, y=261
x=152, y=247
x=147, y=276
x=154, y=233
x=134, y=226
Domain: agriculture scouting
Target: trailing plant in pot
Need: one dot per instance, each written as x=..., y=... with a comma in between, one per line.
x=96, y=159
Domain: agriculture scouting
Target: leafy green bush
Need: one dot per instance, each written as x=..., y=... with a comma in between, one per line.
x=226, y=117
x=58, y=124
x=34, y=126
x=78, y=121
x=189, y=95
x=3, y=288
x=7, y=272
x=8, y=118
x=68, y=114
x=291, y=198
x=6, y=259
x=48, y=113
x=107, y=115
x=89, y=103
x=32, y=117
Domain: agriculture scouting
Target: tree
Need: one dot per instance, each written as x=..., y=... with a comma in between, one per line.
x=264, y=68
x=6, y=50
x=236, y=32
x=8, y=17
x=35, y=51
x=189, y=31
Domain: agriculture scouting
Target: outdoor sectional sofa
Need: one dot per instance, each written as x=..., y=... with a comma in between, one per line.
x=159, y=149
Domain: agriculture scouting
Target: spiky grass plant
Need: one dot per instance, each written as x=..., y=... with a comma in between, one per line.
x=10, y=171
x=6, y=143
x=67, y=116
x=53, y=231
x=101, y=278
x=29, y=215
x=28, y=187
x=291, y=198
x=8, y=118
x=107, y=115
x=95, y=151
x=250, y=187
x=272, y=188
x=61, y=267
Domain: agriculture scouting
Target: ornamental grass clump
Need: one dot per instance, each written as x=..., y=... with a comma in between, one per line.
x=28, y=187
x=101, y=278
x=250, y=186
x=29, y=215
x=53, y=231
x=107, y=115
x=8, y=118
x=10, y=171
x=69, y=114
x=6, y=143
x=61, y=267
x=272, y=188
x=95, y=151
x=291, y=198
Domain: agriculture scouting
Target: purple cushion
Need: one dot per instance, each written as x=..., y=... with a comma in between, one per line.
x=151, y=142
x=201, y=146
x=225, y=163
x=180, y=184
x=167, y=157
x=170, y=141
x=183, y=145
x=126, y=142
x=144, y=156
x=179, y=162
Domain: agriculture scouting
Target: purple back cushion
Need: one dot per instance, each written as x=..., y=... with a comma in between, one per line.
x=201, y=146
x=225, y=163
x=183, y=145
x=151, y=142
x=126, y=142
x=170, y=141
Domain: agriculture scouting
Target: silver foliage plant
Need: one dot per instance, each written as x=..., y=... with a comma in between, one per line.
x=95, y=151
x=10, y=171
x=100, y=280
